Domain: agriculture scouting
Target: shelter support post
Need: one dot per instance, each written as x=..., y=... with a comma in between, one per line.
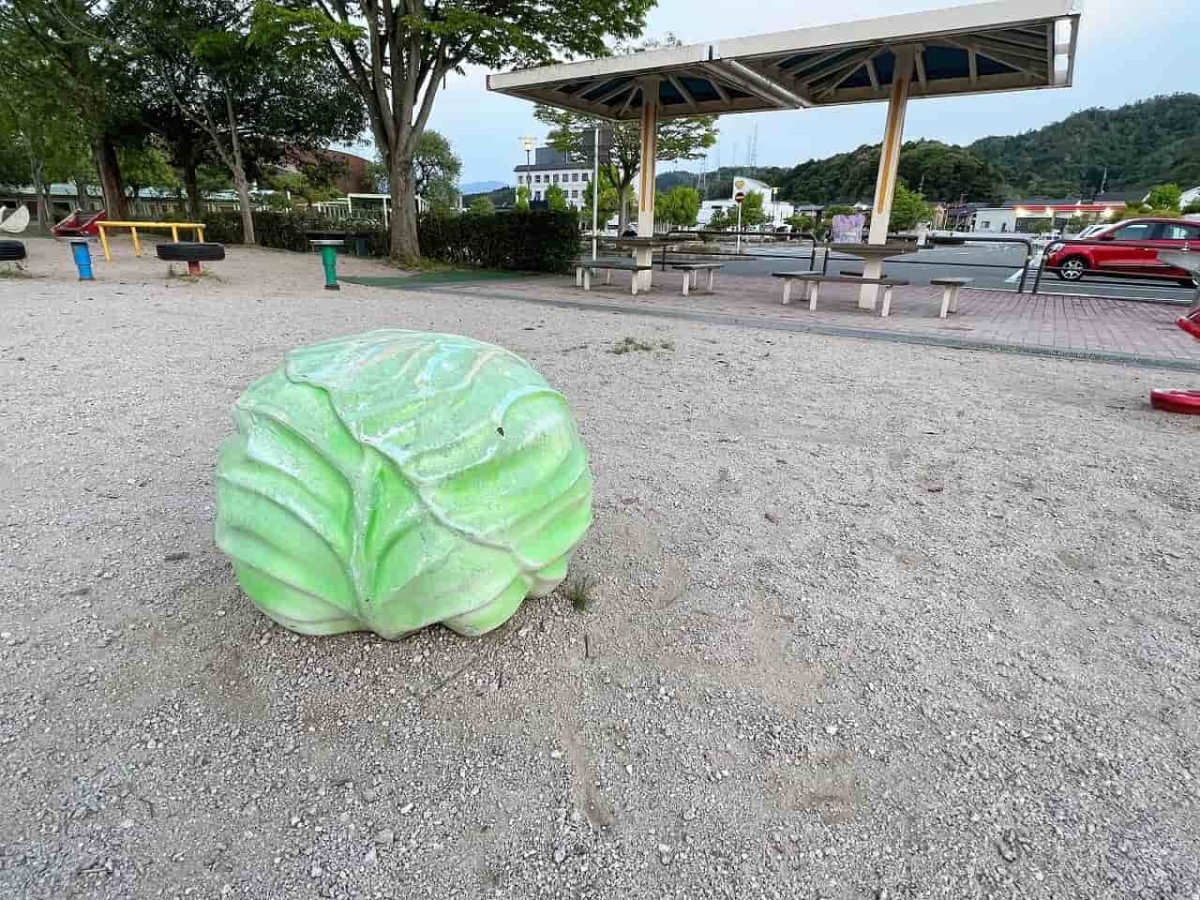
x=646, y=178
x=889, y=166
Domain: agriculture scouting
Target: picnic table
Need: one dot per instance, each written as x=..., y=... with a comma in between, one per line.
x=105, y=224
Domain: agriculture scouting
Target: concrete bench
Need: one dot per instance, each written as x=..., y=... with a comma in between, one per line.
x=813, y=280
x=950, y=288
x=692, y=273
x=585, y=267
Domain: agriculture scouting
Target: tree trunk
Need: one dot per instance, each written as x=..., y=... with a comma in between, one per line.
x=191, y=186
x=109, y=169
x=239, y=174
x=81, y=193
x=402, y=185
x=37, y=170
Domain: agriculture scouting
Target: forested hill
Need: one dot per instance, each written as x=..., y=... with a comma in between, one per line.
x=1153, y=142
x=1156, y=141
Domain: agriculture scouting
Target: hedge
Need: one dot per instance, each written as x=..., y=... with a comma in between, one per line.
x=522, y=240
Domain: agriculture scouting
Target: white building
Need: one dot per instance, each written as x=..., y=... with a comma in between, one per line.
x=552, y=167
x=777, y=211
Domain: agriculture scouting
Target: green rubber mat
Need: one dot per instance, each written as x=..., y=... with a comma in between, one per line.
x=450, y=276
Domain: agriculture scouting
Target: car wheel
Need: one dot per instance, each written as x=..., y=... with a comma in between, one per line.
x=1072, y=268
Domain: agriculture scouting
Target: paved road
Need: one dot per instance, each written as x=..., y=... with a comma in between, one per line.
x=997, y=267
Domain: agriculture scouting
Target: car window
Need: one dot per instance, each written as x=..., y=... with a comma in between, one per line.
x=1180, y=232
x=1138, y=231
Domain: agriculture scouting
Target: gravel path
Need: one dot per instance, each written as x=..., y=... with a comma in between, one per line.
x=867, y=621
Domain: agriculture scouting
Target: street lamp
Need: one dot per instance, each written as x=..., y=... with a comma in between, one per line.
x=528, y=142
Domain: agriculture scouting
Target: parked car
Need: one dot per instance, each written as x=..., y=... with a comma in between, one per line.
x=1127, y=248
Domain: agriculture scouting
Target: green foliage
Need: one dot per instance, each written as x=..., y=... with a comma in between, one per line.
x=909, y=209
x=147, y=167
x=720, y=220
x=1156, y=141
x=522, y=201
x=532, y=241
x=556, y=198
x=1040, y=226
x=436, y=168
x=752, y=210
x=801, y=223
x=948, y=173
x=678, y=206
x=1165, y=196
x=1191, y=209
x=471, y=486
x=610, y=199
x=482, y=206
x=436, y=40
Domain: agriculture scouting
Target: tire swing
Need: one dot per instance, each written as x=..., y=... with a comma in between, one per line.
x=191, y=253
x=1185, y=402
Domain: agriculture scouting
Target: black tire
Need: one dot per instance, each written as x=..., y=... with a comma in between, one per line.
x=190, y=252
x=1192, y=282
x=1072, y=268
x=11, y=251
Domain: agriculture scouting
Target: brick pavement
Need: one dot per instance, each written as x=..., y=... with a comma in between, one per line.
x=1071, y=325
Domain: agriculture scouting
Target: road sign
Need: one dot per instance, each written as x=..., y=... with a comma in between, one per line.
x=739, y=196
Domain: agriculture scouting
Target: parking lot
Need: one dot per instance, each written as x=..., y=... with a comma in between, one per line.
x=991, y=266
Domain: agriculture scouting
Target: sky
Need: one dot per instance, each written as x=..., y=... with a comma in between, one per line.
x=1127, y=51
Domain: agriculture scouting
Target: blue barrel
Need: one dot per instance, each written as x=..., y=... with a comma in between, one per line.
x=83, y=259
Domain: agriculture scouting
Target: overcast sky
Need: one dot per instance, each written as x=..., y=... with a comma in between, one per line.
x=1128, y=50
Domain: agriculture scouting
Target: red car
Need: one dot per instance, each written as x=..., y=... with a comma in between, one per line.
x=1127, y=248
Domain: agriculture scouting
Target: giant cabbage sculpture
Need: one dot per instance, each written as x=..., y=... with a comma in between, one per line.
x=395, y=479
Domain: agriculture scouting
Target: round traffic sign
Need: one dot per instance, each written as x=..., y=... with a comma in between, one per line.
x=739, y=196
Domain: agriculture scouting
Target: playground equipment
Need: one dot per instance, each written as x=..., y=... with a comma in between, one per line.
x=17, y=221
x=78, y=224
x=192, y=254
x=12, y=251
x=396, y=479
x=1179, y=401
x=329, y=262
x=81, y=252
x=104, y=225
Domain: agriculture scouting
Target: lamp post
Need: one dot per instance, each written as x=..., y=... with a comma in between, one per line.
x=528, y=142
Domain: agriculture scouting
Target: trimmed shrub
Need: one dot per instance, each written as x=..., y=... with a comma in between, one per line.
x=524, y=240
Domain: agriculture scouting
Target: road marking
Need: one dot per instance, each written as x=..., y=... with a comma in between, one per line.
x=1014, y=277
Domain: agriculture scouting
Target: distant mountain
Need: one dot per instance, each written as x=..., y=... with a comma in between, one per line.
x=480, y=187
x=1114, y=151
x=1156, y=141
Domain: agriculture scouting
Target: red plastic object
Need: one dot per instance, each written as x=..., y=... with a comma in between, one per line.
x=1191, y=323
x=1186, y=402
x=79, y=224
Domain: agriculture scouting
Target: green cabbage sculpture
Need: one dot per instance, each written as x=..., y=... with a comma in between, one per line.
x=395, y=479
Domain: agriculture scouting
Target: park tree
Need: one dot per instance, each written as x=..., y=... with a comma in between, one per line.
x=396, y=54
x=679, y=206
x=436, y=168
x=720, y=220
x=621, y=158
x=1165, y=196
x=908, y=209
x=610, y=199
x=64, y=59
x=556, y=198
x=143, y=167
x=241, y=89
x=482, y=206
x=801, y=223
x=752, y=210
x=522, y=201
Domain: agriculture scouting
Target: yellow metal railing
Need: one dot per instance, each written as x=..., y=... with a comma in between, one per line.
x=133, y=227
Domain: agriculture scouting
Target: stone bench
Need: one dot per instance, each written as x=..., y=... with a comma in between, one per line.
x=812, y=280
x=692, y=273
x=950, y=290
x=585, y=267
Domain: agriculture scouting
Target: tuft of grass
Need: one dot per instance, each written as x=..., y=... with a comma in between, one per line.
x=579, y=593
x=631, y=345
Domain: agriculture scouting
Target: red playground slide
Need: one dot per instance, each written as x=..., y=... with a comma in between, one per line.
x=78, y=224
x=1187, y=402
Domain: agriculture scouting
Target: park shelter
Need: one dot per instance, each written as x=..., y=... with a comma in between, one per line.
x=983, y=48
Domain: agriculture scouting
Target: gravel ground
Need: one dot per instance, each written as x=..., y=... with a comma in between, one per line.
x=866, y=621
